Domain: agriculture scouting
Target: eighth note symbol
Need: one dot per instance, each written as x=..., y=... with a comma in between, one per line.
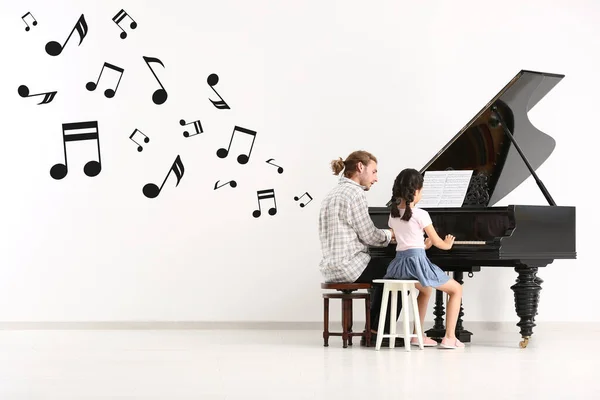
x=231, y=183
x=109, y=93
x=197, y=126
x=262, y=195
x=34, y=21
x=242, y=158
x=279, y=170
x=212, y=80
x=48, y=97
x=296, y=198
x=146, y=139
x=54, y=48
x=160, y=95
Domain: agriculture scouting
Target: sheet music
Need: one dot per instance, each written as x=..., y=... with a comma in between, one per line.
x=445, y=188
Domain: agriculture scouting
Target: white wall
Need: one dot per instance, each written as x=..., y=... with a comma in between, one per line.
x=316, y=79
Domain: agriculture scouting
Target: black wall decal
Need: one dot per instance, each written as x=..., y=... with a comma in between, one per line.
x=48, y=96
x=231, y=183
x=197, y=126
x=279, y=170
x=109, y=93
x=296, y=198
x=150, y=190
x=146, y=139
x=212, y=80
x=86, y=131
x=263, y=195
x=32, y=17
x=242, y=158
x=160, y=95
x=55, y=48
x=119, y=17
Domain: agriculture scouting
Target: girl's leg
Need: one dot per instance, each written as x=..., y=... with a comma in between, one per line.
x=454, y=289
x=422, y=301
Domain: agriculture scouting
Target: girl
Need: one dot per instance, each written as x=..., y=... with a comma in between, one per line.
x=411, y=262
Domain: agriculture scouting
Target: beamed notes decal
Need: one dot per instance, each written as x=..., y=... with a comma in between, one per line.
x=108, y=78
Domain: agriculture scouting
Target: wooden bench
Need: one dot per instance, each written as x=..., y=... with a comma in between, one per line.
x=346, y=292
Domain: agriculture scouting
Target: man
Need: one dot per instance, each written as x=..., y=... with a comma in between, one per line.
x=346, y=230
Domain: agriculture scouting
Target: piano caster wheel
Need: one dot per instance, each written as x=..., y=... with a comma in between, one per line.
x=524, y=342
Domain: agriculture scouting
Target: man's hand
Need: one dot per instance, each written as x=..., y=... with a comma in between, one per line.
x=428, y=243
x=393, y=236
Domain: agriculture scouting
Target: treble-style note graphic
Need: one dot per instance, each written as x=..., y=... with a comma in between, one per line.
x=32, y=17
x=279, y=170
x=231, y=183
x=86, y=131
x=296, y=198
x=160, y=95
x=212, y=80
x=263, y=195
x=55, y=48
x=119, y=17
x=109, y=93
x=242, y=158
x=146, y=139
x=48, y=96
x=197, y=126
x=150, y=190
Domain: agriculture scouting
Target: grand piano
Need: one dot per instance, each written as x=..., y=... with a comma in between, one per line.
x=502, y=148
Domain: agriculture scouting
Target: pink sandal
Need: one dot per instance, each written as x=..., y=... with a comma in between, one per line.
x=427, y=342
x=451, y=344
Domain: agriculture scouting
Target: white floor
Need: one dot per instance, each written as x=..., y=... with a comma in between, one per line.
x=559, y=363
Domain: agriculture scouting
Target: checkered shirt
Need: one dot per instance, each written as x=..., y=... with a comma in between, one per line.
x=346, y=230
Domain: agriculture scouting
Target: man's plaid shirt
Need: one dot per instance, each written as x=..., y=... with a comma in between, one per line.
x=346, y=230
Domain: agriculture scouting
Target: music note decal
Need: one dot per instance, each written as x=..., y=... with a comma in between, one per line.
x=48, y=96
x=150, y=190
x=197, y=126
x=279, y=170
x=109, y=93
x=54, y=48
x=160, y=95
x=212, y=81
x=85, y=131
x=119, y=17
x=34, y=23
x=263, y=195
x=242, y=158
x=296, y=198
x=231, y=183
x=146, y=139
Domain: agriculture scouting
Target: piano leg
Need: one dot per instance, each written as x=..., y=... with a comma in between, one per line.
x=439, y=330
x=527, y=296
x=461, y=333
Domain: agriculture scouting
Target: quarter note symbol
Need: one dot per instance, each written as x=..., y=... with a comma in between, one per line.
x=146, y=139
x=54, y=48
x=48, y=96
x=197, y=126
x=119, y=17
x=34, y=21
x=296, y=198
x=160, y=95
x=279, y=170
x=212, y=81
x=242, y=158
x=85, y=131
x=150, y=190
x=231, y=183
x=109, y=93
x=263, y=195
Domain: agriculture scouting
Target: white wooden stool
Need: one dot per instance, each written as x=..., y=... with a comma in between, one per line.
x=405, y=287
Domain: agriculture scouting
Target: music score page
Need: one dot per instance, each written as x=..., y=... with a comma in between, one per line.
x=444, y=188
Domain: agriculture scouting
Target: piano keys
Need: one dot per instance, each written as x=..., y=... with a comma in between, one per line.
x=502, y=148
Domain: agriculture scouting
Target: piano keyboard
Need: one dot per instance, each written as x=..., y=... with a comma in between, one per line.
x=476, y=242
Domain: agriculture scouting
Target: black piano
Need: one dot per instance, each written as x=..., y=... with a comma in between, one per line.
x=502, y=148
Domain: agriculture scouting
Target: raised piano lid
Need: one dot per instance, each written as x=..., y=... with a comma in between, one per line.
x=481, y=147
